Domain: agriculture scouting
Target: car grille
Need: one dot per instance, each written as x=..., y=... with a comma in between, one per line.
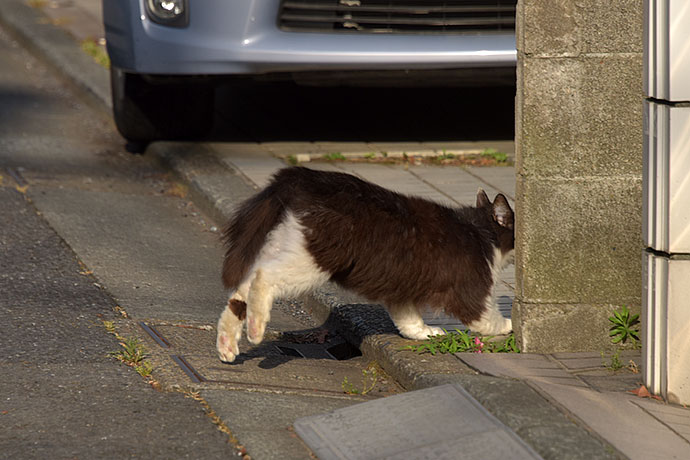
x=397, y=16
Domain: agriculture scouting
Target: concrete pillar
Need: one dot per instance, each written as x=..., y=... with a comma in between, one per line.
x=666, y=195
x=579, y=170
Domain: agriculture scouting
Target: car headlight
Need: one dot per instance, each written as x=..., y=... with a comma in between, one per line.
x=168, y=12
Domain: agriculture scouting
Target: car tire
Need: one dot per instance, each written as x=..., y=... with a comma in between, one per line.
x=149, y=111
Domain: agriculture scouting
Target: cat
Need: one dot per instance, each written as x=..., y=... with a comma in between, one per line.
x=308, y=227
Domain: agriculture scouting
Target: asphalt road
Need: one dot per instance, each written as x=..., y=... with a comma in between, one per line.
x=89, y=231
x=61, y=394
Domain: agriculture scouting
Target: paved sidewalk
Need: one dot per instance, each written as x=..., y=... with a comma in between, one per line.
x=561, y=405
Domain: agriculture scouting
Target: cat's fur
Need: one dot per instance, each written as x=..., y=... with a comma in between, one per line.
x=308, y=227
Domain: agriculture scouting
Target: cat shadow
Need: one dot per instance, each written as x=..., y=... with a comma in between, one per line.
x=329, y=341
x=269, y=358
x=334, y=339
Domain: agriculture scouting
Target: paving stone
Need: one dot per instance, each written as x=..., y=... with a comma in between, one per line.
x=676, y=417
x=321, y=166
x=587, y=360
x=401, y=427
x=619, y=419
x=399, y=181
x=262, y=420
x=576, y=355
x=605, y=380
x=583, y=363
x=502, y=178
x=520, y=366
x=257, y=168
x=454, y=182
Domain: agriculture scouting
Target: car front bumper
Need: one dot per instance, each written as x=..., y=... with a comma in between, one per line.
x=241, y=37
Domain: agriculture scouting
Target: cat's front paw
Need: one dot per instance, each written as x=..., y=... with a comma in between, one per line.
x=421, y=333
x=227, y=348
x=229, y=333
x=491, y=324
x=507, y=327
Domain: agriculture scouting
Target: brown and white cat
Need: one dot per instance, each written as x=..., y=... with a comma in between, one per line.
x=308, y=227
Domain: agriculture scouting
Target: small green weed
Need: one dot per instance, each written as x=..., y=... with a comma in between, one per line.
x=624, y=327
x=97, y=52
x=369, y=378
x=336, y=156
x=369, y=155
x=462, y=342
x=506, y=346
x=133, y=352
x=614, y=364
x=109, y=327
x=442, y=158
x=292, y=160
x=144, y=369
x=497, y=156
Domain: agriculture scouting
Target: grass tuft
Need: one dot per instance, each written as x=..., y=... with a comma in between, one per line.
x=93, y=49
x=369, y=378
x=463, y=342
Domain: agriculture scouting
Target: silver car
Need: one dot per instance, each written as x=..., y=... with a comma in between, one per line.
x=168, y=55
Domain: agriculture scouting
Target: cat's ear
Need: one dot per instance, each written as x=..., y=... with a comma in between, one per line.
x=482, y=199
x=503, y=214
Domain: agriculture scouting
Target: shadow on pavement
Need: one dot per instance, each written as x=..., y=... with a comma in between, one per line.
x=287, y=112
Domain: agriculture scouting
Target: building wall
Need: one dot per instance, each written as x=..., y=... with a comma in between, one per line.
x=579, y=170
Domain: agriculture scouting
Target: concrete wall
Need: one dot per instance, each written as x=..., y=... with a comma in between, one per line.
x=579, y=167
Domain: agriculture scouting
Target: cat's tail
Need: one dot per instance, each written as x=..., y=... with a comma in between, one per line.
x=246, y=233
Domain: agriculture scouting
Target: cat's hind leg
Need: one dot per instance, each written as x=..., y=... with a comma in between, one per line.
x=410, y=323
x=285, y=269
x=230, y=325
x=259, y=303
x=491, y=322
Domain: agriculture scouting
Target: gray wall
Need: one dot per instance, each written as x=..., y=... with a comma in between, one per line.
x=579, y=170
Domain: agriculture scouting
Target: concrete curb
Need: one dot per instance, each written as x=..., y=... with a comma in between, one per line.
x=551, y=432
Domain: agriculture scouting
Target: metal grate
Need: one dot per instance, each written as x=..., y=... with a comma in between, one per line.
x=397, y=16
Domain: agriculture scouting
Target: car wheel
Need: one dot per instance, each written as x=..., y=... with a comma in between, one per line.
x=147, y=111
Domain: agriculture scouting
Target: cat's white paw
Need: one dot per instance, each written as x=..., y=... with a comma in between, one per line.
x=421, y=333
x=229, y=333
x=507, y=327
x=227, y=348
x=256, y=327
x=491, y=324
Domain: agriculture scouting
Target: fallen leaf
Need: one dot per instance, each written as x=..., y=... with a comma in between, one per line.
x=643, y=392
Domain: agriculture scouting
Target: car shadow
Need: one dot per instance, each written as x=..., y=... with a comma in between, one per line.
x=288, y=112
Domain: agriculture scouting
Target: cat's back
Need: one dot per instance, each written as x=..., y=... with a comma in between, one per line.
x=303, y=181
x=344, y=193
x=341, y=204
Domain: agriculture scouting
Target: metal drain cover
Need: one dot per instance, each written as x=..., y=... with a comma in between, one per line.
x=186, y=354
x=442, y=422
